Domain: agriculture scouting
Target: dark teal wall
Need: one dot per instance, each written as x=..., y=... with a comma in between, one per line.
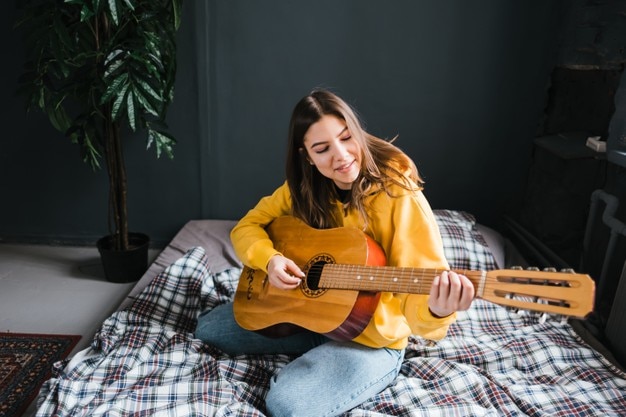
x=463, y=85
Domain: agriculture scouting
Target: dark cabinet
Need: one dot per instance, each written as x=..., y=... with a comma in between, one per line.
x=563, y=174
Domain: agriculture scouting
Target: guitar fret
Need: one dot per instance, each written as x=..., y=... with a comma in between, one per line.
x=419, y=280
x=391, y=279
x=373, y=278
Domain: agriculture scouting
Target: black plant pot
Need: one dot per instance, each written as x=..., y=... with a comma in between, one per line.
x=124, y=266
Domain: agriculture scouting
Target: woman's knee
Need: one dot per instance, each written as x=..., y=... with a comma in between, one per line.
x=212, y=324
x=280, y=402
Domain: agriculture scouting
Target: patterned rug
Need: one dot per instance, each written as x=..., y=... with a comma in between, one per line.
x=25, y=363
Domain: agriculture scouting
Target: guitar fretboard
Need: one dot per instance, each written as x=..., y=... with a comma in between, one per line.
x=390, y=279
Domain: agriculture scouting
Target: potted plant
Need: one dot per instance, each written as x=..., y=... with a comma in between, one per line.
x=101, y=70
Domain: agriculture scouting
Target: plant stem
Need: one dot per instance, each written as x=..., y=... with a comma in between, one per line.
x=116, y=168
x=121, y=191
x=117, y=181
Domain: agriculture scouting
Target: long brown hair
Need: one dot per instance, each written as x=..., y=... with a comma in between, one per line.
x=313, y=195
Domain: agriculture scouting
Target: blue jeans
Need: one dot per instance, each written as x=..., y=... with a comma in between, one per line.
x=328, y=378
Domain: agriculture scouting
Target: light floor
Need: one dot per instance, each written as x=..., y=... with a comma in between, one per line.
x=56, y=289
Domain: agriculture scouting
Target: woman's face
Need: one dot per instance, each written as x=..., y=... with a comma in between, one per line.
x=334, y=152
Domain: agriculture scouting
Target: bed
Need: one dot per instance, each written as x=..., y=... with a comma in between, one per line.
x=144, y=360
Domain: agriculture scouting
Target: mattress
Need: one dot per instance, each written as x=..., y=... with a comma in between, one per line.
x=145, y=361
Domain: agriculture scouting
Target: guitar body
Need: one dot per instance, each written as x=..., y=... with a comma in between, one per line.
x=338, y=314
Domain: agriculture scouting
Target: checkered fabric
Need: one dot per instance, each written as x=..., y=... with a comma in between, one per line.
x=463, y=245
x=144, y=361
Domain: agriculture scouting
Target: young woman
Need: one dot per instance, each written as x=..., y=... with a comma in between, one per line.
x=338, y=175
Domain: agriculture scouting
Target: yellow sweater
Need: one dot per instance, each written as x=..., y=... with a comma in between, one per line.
x=405, y=228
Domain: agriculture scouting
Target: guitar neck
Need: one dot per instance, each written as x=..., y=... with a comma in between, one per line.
x=389, y=278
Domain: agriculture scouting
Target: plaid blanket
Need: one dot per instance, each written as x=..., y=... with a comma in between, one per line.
x=144, y=361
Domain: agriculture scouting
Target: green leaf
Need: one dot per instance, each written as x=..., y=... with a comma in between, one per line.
x=90, y=152
x=119, y=101
x=113, y=69
x=145, y=86
x=176, y=11
x=163, y=143
x=132, y=116
x=158, y=63
x=113, y=10
x=41, y=99
x=116, y=54
x=86, y=13
x=129, y=4
x=117, y=87
x=144, y=64
x=74, y=133
x=90, y=61
x=58, y=118
x=144, y=102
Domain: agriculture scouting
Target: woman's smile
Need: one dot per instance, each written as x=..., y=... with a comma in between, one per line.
x=346, y=168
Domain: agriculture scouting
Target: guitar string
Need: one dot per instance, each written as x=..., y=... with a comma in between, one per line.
x=554, y=305
x=409, y=283
x=410, y=277
x=414, y=279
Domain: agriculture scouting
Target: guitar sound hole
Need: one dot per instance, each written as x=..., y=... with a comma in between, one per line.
x=310, y=286
x=314, y=274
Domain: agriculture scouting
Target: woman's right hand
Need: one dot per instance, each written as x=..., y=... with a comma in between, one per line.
x=283, y=273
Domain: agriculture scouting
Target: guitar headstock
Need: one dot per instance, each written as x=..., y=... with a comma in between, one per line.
x=566, y=293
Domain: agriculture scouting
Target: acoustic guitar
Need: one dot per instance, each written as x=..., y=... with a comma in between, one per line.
x=345, y=273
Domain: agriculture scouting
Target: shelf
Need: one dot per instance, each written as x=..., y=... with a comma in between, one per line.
x=568, y=146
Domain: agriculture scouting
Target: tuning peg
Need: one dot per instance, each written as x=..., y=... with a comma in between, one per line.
x=542, y=318
x=549, y=269
x=532, y=268
x=568, y=270
x=515, y=310
x=517, y=268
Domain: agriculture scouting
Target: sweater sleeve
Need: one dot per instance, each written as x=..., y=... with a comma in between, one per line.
x=412, y=239
x=250, y=240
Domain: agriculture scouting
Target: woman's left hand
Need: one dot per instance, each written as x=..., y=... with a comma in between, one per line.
x=450, y=292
